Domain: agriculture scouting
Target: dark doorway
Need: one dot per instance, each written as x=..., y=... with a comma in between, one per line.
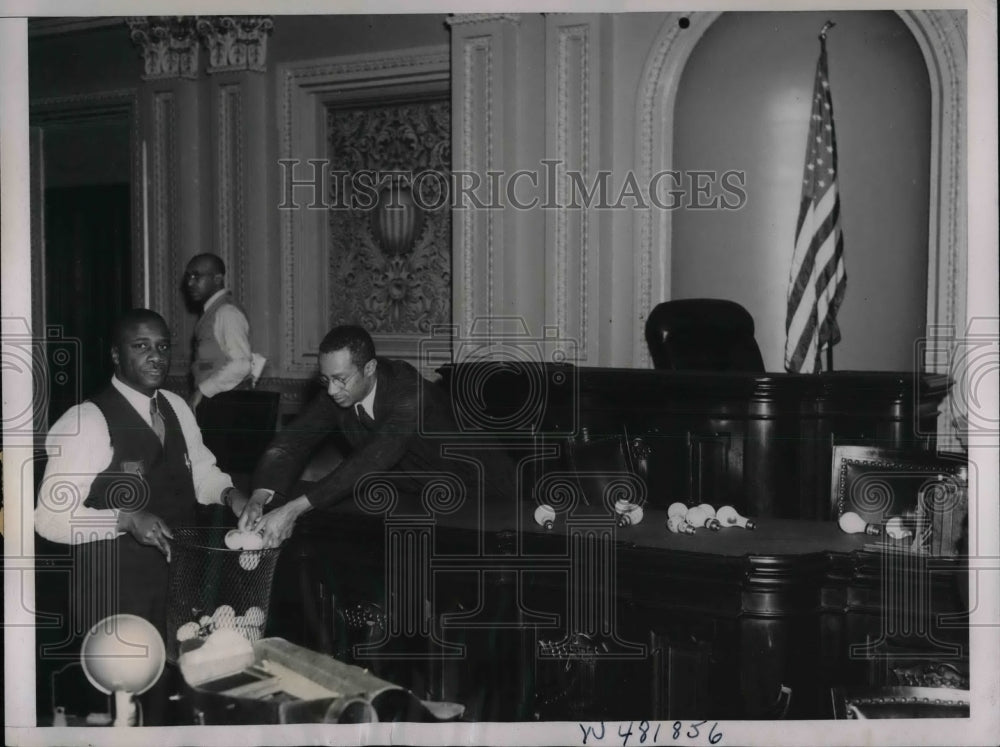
x=88, y=279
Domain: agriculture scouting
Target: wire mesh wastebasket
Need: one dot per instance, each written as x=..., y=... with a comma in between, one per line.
x=213, y=587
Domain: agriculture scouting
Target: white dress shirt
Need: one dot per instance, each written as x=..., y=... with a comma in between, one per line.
x=79, y=449
x=232, y=331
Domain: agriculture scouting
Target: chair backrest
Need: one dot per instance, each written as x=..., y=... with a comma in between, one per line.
x=702, y=334
x=878, y=483
x=900, y=702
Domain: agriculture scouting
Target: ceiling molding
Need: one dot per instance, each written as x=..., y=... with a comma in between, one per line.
x=57, y=26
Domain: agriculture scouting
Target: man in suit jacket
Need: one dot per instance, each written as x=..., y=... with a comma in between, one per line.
x=388, y=414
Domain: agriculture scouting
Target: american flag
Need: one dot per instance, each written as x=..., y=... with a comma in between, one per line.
x=818, y=278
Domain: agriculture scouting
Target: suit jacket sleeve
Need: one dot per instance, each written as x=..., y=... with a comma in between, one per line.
x=379, y=452
x=287, y=454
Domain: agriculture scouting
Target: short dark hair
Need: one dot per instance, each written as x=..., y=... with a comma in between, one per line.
x=355, y=339
x=218, y=266
x=133, y=317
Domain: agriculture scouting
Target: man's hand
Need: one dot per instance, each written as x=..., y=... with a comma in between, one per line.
x=277, y=525
x=195, y=399
x=236, y=500
x=147, y=529
x=253, y=509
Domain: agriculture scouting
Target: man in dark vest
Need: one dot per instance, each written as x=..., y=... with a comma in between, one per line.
x=124, y=468
x=221, y=359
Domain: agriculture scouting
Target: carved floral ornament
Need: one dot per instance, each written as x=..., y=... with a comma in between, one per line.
x=169, y=44
x=391, y=262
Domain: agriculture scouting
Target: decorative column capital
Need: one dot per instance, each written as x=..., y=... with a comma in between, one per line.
x=168, y=44
x=235, y=42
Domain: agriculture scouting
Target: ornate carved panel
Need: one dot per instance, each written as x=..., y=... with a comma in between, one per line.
x=230, y=223
x=168, y=44
x=572, y=56
x=307, y=91
x=163, y=208
x=235, y=42
x=389, y=288
x=476, y=234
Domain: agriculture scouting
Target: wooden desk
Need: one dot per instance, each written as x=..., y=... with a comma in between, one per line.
x=703, y=626
x=759, y=441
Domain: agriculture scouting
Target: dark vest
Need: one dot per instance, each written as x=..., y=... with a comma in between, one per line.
x=142, y=471
x=207, y=357
x=124, y=576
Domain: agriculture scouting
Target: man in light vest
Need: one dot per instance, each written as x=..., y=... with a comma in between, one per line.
x=222, y=360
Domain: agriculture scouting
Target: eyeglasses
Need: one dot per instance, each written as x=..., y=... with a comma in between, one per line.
x=336, y=381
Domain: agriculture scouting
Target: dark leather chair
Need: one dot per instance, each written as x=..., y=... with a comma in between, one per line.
x=878, y=483
x=928, y=491
x=900, y=702
x=702, y=334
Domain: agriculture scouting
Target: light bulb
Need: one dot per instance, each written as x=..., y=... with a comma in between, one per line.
x=730, y=517
x=545, y=516
x=697, y=517
x=677, y=509
x=851, y=523
x=895, y=529
x=631, y=516
x=708, y=509
x=678, y=525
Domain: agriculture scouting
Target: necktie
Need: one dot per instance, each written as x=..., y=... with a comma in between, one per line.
x=156, y=419
x=366, y=420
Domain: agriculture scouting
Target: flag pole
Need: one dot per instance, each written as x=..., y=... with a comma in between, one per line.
x=817, y=280
x=822, y=37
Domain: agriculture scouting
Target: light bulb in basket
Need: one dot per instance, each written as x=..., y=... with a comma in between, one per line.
x=895, y=529
x=851, y=523
x=730, y=517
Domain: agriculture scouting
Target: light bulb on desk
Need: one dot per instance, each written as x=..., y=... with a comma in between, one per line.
x=629, y=514
x=708, y=508
x=677, y=509
x=697, y=517
x=678, y=525
x=730, y=517
x=545, y=516
x=851, y=523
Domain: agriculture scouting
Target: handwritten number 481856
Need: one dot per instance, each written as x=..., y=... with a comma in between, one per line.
x=647, y=732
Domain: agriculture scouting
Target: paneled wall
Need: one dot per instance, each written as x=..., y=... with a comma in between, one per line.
x=558, y=122
x=739, y=106
x=628, y=97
